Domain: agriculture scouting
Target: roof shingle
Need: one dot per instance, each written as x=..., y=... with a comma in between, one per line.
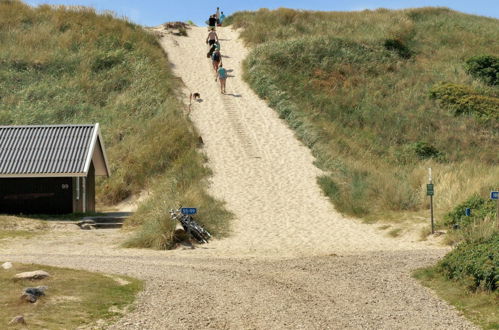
x=51, y=149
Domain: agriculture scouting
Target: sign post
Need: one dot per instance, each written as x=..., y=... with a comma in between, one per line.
x=430, y=192
x=495, y=195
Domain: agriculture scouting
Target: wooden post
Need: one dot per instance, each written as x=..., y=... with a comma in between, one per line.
x=431, y=192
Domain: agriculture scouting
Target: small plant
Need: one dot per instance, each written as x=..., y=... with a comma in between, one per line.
x=424, y=150
x=182, y=32
x=107, y=61
x=395, y=232
x=399, y=47
x=485, y=68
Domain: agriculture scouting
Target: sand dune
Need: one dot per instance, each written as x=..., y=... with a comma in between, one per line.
x=261, y=170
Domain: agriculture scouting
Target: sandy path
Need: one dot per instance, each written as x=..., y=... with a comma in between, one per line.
x=261, y=170
x=292, y=262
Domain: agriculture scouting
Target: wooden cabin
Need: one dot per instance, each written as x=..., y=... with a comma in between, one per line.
x=50, y=169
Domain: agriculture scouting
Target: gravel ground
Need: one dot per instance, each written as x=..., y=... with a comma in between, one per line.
x=193, y=289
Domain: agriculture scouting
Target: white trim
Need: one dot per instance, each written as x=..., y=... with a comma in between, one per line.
x=43, y=175
x=101, y=144
x=77, y=180
x=91, y=148
x=84, y=194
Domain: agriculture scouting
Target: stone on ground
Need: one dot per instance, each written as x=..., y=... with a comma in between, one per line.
x=17, y=320
x=35, y=275
x=7, y=265
x=32, y=294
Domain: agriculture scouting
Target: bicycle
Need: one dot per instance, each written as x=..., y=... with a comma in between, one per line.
x=190, y=226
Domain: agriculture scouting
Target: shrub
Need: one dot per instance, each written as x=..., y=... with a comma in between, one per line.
x=480, y=209
x=476, y=264
x=461, y=100
x=424, y=150
x=485, y=68
x=107, y=61
x=399, y=47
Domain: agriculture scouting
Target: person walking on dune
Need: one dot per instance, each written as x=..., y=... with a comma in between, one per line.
x=222, y=76
x=216, y=59
x=212, y=38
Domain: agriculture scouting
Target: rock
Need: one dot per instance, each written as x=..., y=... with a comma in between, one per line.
x=32, y=294
x=35, y=275
x=7, y=265
x=17, y=320
x=87, y=226
x=29, y=298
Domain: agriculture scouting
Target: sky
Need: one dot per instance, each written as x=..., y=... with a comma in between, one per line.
x=155, y=12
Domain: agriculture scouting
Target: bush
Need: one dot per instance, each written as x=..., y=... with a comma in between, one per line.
x=398, y=46
x=476, y=264
x=424, y=150
x=461, y=100
x=480, y=209
x=485, y=68
x=107, y=61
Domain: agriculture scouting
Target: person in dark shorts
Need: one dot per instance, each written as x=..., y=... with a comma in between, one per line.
x=212, y=38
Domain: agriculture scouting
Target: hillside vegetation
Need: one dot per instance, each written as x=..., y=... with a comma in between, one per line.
x=380, y=96
x=71, y=65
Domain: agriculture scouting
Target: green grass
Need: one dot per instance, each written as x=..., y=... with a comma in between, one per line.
x=363, y=104
x=482, y=308
x=71, y=65
x=74, y=298
x=395, y=232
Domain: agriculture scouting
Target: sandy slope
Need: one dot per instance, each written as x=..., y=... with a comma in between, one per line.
x=292, y=261
x=261, y=170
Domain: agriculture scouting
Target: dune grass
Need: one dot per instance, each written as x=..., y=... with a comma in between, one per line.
x=74, y=298
x=356, y=88
x=72, y=65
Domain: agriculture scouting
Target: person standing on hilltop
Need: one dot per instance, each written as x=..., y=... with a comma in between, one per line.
x=222, y=76
x=217, y=15
x=221, y=19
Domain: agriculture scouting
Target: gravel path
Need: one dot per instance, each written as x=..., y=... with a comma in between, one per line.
x=191, y=289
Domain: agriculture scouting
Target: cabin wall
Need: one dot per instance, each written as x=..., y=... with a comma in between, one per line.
x=87, y=186
x=91, y=189
x=35, y=195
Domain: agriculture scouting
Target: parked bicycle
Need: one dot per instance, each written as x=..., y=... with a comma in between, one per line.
x=190, y=226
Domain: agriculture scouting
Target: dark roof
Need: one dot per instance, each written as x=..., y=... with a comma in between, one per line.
x=51, y=150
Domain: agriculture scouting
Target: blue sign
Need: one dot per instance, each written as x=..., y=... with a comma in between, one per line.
x=494, y=195
x=188, y=210
x=467, y=212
